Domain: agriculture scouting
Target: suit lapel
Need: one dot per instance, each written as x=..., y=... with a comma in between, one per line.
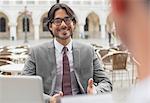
x=76, y=65
x=76, y=58
x=52, y=61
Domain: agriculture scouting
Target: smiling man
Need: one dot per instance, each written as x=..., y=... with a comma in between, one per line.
x=66, y=67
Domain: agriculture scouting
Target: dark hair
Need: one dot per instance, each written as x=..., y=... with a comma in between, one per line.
x=54, y=8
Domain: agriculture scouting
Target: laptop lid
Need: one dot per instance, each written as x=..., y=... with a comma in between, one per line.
x=21, y=89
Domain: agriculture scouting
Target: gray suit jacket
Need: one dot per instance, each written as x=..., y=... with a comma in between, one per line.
x=42, y=62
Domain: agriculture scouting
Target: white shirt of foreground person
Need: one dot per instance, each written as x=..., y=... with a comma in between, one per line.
x=104, y=98
x=141, y=92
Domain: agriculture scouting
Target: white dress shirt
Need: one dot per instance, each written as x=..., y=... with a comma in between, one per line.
x=59, y=63
x=140, y=93
x=59, y=55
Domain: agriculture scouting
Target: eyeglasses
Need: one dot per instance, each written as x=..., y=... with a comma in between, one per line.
x=58, y=21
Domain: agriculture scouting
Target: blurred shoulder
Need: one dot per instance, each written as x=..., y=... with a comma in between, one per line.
x=82, y=45
x=42, y=46
x=141, y=92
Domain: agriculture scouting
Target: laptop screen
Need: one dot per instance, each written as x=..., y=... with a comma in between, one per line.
x=21, y=89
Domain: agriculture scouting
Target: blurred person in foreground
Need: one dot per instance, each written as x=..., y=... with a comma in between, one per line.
x=132, y=18
x=66, y=67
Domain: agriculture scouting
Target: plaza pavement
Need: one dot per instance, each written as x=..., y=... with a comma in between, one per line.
x=99, y=41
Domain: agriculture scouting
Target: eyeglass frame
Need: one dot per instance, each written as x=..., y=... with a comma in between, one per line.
x=70, y=19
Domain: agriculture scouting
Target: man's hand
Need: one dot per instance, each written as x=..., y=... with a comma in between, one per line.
x=55, y=97
x=90, y=88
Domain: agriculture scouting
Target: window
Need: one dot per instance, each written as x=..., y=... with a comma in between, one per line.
x=100, y=27
x=6, y=2
x=30, y=2
x=44, y=24
x=2, y=24
x=26, y=24
x=19, y=2
x=86, y=26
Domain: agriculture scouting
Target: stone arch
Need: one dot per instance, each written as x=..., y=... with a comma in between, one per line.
x=20, y=32
x=92, y=25
x=110, y=29
x=109, y=23
x=44, y=32
x=6, y=33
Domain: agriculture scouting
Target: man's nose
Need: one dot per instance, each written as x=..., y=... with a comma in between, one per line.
x=63, y=23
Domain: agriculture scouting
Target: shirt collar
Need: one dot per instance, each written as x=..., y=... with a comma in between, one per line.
x=59, y=46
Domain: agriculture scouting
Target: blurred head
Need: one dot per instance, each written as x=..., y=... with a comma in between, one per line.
x=132, y=19
x=61, y=21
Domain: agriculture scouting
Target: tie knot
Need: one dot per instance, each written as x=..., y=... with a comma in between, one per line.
x=65, y=49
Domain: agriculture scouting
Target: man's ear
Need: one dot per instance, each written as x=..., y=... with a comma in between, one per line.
x=74, y=24
x=50, y=27
x=119, y=6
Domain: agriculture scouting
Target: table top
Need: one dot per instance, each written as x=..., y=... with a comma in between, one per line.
x=13, y=68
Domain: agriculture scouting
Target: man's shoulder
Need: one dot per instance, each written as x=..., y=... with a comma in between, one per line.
x=43, y=45
x=81, y=45
x=140, y=93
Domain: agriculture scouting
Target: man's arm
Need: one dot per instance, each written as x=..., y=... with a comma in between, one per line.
x=30, y=69
x=101, y=81
x=30, y=65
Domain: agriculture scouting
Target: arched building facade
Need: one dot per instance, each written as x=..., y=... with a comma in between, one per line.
x=16, y=21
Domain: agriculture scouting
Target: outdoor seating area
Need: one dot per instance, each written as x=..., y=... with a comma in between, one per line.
x=119, y=64
x=12, y=59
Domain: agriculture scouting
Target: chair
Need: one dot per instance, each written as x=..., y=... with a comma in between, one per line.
x=134, y=64
x=6, y=58
x=118, y=64
x=5, y=62
x=102, y=53
x=5, y=52
x=122, y=47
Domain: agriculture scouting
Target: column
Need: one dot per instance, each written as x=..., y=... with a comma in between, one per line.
x=103, y=25
x=103, y=32
x=36, y=31
x=13, y=32
x=36, y=2
x=82, y=35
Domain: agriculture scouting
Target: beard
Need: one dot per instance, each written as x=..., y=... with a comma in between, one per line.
x=64, y=34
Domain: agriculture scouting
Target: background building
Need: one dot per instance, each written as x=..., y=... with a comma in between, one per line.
x=21, y=18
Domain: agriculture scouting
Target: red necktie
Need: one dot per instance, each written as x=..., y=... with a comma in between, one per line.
x=66, y=80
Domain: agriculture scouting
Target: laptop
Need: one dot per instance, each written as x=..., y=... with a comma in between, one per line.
x=21, y=89
x=104, y=98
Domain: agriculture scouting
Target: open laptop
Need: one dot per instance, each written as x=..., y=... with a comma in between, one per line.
x=21, y=89
x=104, y=98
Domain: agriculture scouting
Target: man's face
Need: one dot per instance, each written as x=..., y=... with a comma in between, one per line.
x=62, y=25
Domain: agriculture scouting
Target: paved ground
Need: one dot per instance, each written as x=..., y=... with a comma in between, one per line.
x=102, y=42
